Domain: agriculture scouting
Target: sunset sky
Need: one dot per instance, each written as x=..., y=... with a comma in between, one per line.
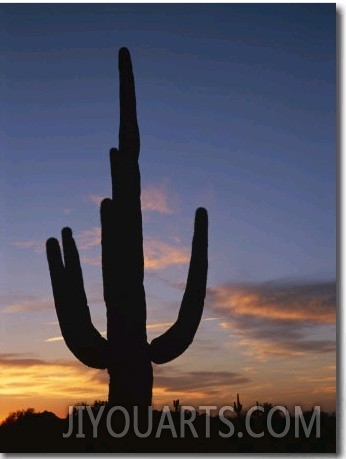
x=236, y=109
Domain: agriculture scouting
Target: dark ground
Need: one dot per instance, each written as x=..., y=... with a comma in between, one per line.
x=30, y=432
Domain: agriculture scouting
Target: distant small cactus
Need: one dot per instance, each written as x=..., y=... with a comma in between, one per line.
x=238, y=406
x=176, y=404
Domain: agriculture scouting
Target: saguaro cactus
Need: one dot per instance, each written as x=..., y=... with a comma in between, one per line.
x=126, y=352
x=176, y=404
x=238, y=406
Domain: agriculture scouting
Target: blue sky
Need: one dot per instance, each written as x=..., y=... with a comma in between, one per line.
x=237, y=113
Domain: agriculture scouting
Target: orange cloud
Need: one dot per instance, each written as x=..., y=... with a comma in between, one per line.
x=54, y=339
x=278, y=320
x=28, y=305
x=312, y=303
x=89, y=238
x=154, y=198
x=46, y=385
x=159, y=255
x=263, y=349
x=33, y=382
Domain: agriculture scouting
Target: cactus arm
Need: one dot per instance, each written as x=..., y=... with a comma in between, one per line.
x=180, y=335
x=81, y=337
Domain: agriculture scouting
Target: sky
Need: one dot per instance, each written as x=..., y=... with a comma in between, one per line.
x=236, y=107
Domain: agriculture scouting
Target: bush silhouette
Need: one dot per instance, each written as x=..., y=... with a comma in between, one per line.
x=126, y=352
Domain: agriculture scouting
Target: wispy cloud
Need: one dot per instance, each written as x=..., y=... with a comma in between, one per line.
x=12, y=359
x=12, y=303
x=191, y=386
x=152, y=326
x=46, y=384
x=195, y=387
x=89, y=238
x=159, y=255
x=34, y=244
x=203, y=381
x=92, y=260
x=26, y=304
x=154, y=198
x=67, y=210
x=96, y=199
x=45, y=380
x=54, y=339
x=270, y=346
x=278, y=319
x=297, y=302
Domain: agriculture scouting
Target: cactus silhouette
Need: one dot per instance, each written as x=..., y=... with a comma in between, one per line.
x=126, y=352
x=238, y=406
x=176, y=405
